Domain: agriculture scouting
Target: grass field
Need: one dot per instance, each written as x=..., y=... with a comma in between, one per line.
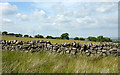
x=46, y=62
x=59, y=41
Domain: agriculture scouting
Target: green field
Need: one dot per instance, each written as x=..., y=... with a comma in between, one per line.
x=46, y=62
x=59, y=41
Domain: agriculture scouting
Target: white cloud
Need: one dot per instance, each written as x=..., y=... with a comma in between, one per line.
x=105, y=7
x=22, y=17
x=42, y=12
x=86, y=20
x=8, y=9
x=83, y=20
x=62, y=18
x=53, y=23
x=6, y=20
x=38, y=13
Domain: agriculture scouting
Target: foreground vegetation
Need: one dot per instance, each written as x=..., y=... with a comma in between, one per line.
x=46, y=62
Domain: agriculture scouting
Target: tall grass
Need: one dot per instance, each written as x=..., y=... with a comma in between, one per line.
x=46, y=62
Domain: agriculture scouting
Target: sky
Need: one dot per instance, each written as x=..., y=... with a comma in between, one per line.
x=81, y=19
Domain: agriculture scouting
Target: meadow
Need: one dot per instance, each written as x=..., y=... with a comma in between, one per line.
x=47, y=62
x=59, y=41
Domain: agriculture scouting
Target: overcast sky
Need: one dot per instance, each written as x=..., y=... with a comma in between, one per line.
x=80, y=19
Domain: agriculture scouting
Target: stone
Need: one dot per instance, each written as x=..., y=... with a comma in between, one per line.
x=73, y=52
x=104, y=54
x=26, y=51
x=62, y=52
x=98, y=52
x=87, y=53
x=103, y=50
x=91, y=48
x=69, y=48
x=68, y=51
x=108, y=53
x=115, y=48
x=54, y=50
x=58, y=51
x=74, y=48
x=12, y=50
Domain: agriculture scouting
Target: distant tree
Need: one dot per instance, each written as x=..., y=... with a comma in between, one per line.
x=39, y=36
x=99, y=38
x=65, y=36
x=103, y=39
x=26, y=35
x=18, y=35
x=57, y=37
x=11, y=34
x=81, y=38
x=49, y=37
x=92, y=38
x=4, y=33
x=54, y=38
x=30, y=36
x=89, y=38
x=106, y=39
x=76, y=38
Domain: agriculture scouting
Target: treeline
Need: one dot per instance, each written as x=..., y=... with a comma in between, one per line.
x=11, y=34
x=95, y=39
x=99, y=39
x=63, y=36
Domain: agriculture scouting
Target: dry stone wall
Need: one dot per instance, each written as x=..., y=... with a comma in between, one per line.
x=104, y=49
